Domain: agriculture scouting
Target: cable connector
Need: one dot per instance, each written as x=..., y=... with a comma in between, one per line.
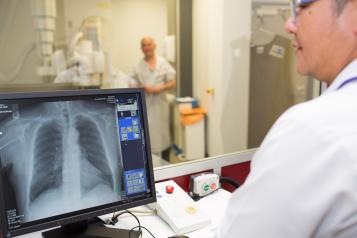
x=111, y=221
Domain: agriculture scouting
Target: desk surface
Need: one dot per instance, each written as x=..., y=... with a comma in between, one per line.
x=213, y=205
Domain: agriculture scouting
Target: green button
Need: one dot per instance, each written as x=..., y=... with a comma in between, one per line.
x=206, y=187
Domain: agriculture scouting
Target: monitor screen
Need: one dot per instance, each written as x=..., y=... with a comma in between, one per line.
x=72, y=155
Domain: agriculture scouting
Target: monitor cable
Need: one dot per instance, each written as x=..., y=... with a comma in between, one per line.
x=114, y=220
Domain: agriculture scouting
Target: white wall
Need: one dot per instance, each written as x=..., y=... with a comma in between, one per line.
x=16, y=36
x=134, y=19
x=221, y=57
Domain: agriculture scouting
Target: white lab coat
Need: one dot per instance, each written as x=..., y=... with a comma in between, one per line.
x=303, y=179
x=157, y=105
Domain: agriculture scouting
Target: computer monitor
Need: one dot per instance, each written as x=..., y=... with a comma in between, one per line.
x=69, y=156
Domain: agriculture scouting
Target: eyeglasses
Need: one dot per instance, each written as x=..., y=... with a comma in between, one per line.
x=296, y=4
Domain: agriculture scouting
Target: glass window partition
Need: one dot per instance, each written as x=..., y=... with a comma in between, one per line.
x=231, y=57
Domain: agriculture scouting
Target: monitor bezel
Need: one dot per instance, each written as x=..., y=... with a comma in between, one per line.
x=80, y=215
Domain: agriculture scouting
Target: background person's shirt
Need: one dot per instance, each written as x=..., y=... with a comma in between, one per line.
x=157, y=104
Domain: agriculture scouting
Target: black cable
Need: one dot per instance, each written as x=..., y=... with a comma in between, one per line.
x=196, y=197
x=115, y=217
x=114, y=220
x=141, y=232
x=230, y=181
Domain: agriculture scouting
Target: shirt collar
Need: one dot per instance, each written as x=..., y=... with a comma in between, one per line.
x=347, y=73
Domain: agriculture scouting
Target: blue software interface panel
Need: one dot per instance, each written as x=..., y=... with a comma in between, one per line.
x=130, y=127
x=64, y=154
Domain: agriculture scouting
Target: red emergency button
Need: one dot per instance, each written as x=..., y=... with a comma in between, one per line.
x=169, y=189
x=213, y=186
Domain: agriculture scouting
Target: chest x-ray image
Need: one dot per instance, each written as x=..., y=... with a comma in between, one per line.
x=59, y=157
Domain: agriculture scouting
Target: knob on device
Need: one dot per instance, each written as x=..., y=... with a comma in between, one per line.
x=169, y=189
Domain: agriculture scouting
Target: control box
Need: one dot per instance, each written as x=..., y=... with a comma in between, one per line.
x=204, y=184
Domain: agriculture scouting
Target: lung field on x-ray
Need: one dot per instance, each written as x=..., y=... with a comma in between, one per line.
x=48, y=158
x=92, y=150
x=64, y=156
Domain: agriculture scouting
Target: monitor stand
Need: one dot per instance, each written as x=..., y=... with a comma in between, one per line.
x=85, y=229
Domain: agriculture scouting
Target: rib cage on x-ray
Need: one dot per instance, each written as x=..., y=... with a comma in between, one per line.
x=66, y=156
x=48, y=159
x=92, y=150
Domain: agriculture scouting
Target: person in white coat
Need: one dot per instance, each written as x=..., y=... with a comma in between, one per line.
x=303, y=179
x=156, y=76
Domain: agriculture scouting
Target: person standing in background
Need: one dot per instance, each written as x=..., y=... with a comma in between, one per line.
x=156, y=76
